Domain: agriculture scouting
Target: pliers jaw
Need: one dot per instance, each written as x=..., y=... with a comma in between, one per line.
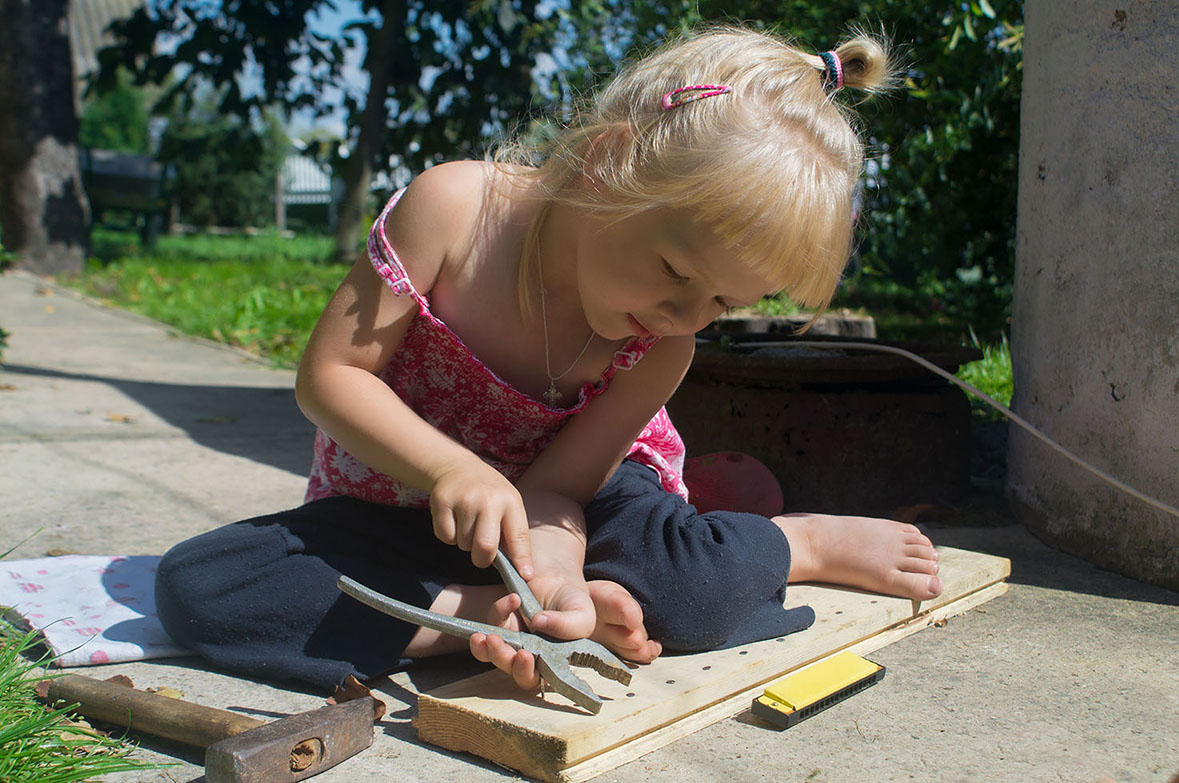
x=582, y=652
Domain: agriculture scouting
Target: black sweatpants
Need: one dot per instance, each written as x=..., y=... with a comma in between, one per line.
x=259, y=597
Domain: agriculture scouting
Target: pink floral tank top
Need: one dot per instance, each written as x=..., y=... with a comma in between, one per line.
x=435, y=373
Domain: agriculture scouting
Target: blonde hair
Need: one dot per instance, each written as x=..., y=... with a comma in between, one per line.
x=772, y=167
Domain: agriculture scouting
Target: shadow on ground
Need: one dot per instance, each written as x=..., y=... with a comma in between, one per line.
x=262, y=424
x=1035, y=564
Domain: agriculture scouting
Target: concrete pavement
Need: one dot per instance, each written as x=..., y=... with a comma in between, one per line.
x=119, y=437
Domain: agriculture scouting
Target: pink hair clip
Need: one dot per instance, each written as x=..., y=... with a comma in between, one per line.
x=678, y=97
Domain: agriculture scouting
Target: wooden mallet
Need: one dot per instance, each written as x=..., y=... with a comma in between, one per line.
x=238, y=749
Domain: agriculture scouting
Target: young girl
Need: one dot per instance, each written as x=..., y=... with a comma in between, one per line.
x=492, y=374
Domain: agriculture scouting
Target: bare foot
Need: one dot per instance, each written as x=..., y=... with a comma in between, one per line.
x=879, y=555
x=620, y=623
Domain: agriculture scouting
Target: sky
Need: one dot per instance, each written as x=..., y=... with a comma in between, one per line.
x=330, y=22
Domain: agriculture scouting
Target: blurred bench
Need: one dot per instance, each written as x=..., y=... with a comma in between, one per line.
x=129, y=183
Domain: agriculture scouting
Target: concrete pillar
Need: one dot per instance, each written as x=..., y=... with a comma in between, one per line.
x=1095, y=327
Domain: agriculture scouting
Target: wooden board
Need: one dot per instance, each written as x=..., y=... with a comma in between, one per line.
x=553, y=740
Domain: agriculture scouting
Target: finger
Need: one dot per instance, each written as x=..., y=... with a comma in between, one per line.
x=444, y=526
x=484, y=540
x=514, y=538
x=499, y=653
x=478, y=645
x=641, y=652
x=575, y=623
x=503, y=612
x=524, y=670
x=614, y=605
x=464, y=528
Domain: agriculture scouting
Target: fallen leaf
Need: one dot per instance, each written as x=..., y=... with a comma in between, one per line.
x=164, y=690
x=121, y=679
x=119, y=417
x=49, y=308
x=7, y=387
x=355, y=689
x=939, y=623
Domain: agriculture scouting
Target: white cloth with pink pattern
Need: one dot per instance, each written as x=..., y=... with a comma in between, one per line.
x=90, y=609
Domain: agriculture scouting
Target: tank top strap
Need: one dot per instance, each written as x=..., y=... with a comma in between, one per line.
x=628, y=355
x=384, y=258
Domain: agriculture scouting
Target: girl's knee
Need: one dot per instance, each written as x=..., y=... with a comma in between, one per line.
x=689, y=627
x=203, y=583
x=697, y=577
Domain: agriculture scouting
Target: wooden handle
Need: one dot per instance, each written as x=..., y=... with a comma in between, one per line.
x=150, y=713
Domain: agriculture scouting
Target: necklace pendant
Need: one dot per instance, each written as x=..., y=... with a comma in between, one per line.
x=552, y=396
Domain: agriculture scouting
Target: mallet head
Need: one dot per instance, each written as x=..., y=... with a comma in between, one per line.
x=293, y=748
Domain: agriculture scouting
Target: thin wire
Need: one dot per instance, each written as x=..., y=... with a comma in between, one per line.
x=1010, y=414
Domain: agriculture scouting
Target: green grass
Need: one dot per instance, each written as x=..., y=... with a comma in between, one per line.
x=992, y=375
x=112, y=245
x=261, y=293
x=39, y=745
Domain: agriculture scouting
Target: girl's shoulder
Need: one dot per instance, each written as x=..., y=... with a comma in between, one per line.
x=436, y=217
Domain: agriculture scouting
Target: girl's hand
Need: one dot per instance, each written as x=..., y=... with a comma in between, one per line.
x=476, y=508
x=489, y=648
x=568, y=614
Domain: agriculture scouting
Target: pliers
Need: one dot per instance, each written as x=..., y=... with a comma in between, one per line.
x=553, y=658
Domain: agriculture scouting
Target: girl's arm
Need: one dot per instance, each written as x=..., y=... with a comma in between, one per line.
x=362, y=326
x=578, y=462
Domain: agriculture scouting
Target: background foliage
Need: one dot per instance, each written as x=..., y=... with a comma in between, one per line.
x=938, y=232
x=117, y=119
x=225, y=167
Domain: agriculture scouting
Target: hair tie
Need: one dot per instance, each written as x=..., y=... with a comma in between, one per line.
x=678, y=97
x=832, y=71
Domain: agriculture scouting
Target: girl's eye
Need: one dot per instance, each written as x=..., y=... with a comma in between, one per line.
x=670, y=272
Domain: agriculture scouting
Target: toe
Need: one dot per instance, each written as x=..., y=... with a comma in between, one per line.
x=917, y=586
x=924, y=551
x=919, y=565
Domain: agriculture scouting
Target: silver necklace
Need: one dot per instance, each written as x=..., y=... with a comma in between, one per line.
x=552, y=396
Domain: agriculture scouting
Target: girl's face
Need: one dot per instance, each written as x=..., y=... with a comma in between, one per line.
x=658, y=273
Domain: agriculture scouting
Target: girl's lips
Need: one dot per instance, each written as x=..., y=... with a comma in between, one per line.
x=638, y=328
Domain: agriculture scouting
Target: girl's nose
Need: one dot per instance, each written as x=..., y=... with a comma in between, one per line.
x=683, y=315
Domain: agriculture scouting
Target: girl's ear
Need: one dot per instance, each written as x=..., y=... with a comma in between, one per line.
x=606, y=152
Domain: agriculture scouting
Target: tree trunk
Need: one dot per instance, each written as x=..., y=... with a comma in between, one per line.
x=44, y=214
x=358, y=169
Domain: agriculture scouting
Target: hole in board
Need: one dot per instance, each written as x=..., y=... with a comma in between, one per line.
x=671, y=682
x=840, y=611
x=706, y=668
x=630, y=695
x=780, y=639
x=744, y=652
x=873, y=602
